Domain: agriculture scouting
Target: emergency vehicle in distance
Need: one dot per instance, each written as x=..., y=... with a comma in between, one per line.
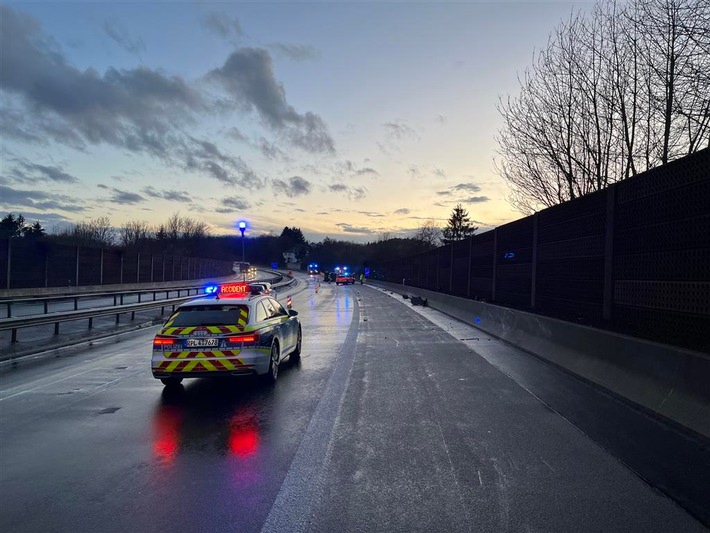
x=229, y=332
x=343, y=276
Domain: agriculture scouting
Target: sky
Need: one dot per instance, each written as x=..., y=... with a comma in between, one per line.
x=346, y=119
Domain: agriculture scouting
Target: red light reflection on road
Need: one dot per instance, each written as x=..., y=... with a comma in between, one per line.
x=244, y=442
x=243, y=434
x=166, y=431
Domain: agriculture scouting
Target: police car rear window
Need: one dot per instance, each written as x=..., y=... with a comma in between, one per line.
x=210, y=315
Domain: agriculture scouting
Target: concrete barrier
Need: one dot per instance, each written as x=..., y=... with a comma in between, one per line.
x=669, y=381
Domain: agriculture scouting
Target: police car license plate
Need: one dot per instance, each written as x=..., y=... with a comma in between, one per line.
x=200, y=343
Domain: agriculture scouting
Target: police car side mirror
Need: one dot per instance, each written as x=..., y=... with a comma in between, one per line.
x=291, y=312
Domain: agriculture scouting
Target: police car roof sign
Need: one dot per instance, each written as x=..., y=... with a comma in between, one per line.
x=234, y=290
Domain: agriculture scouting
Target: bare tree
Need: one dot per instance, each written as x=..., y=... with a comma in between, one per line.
x=615, y=92
x=96, y=232
x=429, y=234
x=135, y=233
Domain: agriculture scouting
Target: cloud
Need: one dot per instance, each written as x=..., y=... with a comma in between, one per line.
x=119, y=34
x=366, y=171
x=222, y=25
x=475, y=199
x=348, y=168
x=347, y=228
x=371, y=214
x=248, y=76
x=206, y=157
x=403, y=211
x=235, y=203
x=295, y=186
x=295, y=52
x=236, y=134
x=468, y=187
x=461, y=187
x=27, y=172
x=271, y=151
x=439, y=173
x=351, y=193
x=441, y=119
x=35, y=199
x=142, y=110
x=123, y=197
x=399, y=131
x=173, y=196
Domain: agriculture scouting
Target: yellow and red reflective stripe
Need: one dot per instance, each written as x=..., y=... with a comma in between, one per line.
x=196, y=365
x=194, y=355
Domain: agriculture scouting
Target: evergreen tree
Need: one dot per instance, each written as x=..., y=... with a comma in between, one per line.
x=459, y=226
x=11, y=227
x=34, y=231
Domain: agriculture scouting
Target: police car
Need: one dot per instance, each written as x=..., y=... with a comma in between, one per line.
x=229, y=332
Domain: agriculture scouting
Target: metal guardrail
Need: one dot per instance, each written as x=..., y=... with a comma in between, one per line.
x=14, y=324
x=117, y=295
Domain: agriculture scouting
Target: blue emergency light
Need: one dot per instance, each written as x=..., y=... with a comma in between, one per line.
x=211, y=289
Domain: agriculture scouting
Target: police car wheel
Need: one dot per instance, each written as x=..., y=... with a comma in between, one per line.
x=273, y=373
x=171, y=382
x=296, y=353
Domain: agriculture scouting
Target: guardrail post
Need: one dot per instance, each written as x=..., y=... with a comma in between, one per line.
x=533, y=287
x=495, y=263
x=438, y=267
x=470, y=258
x=9, y=262
x=451, y=273
x=46, y=268
x=609, y=253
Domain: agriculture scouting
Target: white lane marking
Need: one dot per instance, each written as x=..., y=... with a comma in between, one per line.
x=302, y=488
x=480, y=479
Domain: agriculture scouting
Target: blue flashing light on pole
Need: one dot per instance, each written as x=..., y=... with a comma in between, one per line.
x=242, y=227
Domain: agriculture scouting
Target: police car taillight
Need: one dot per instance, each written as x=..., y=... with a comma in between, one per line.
x=250, y=338
x=161, y=341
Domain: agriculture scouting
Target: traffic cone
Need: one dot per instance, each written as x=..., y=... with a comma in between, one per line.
x=289, y=303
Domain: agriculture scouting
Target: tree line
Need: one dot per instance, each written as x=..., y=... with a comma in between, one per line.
x=615, y=92
x=187, y=236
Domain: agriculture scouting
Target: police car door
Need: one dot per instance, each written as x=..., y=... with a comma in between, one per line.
x=288, y=326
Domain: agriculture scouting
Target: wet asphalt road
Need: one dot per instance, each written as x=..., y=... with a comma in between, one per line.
x=389, y=423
